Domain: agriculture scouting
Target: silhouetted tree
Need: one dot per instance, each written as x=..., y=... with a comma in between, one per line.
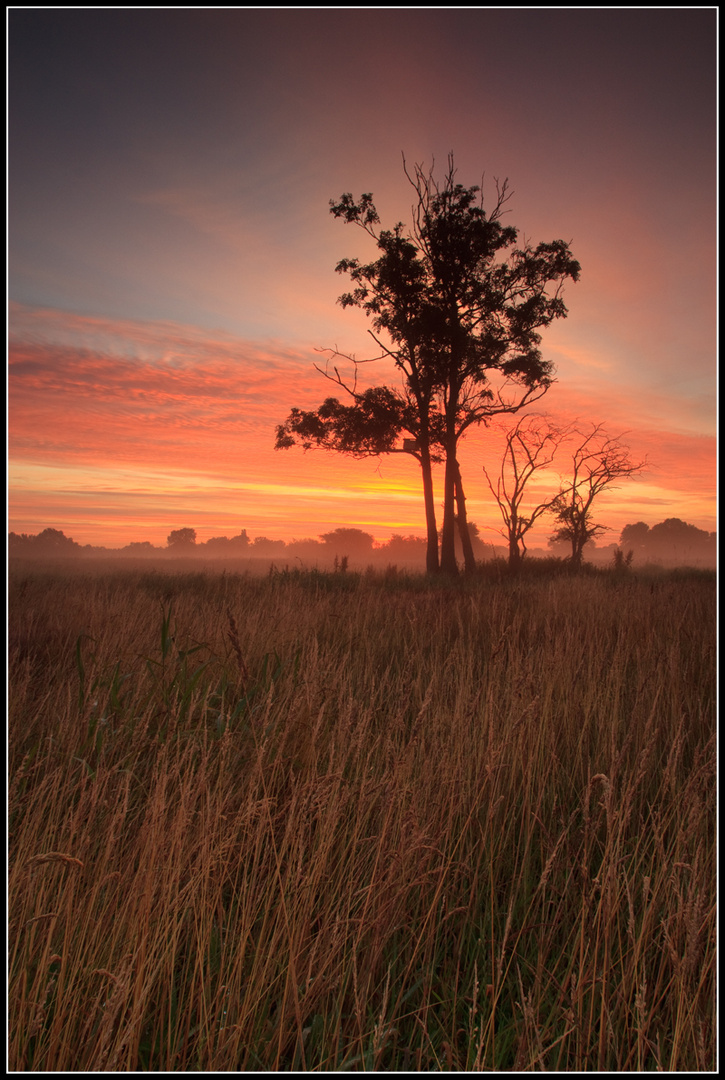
x=599, y=461
x=411, y=548
x=19, y=543
x=306, y=548
x=529, y=446
x=55, y=540
x=217, y=545
x=181, y=539
x=676, y=538
x=458, y=309
x=224, y=545
x=140, y=547
x=348, y=541
x=634, y=538
x=265, y=547
x=49, y=542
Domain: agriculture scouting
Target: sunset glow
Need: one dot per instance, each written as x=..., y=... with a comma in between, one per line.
x=172, y=255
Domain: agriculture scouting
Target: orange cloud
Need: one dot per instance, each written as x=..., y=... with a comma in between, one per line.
x=122, y=430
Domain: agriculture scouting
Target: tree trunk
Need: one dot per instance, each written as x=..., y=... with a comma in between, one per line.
x=514, y=554
x=577, y=550
x=448, y=539
x=469, y=559
x=431, y=555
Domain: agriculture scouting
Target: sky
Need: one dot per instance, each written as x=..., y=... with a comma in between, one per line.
x=171, y=254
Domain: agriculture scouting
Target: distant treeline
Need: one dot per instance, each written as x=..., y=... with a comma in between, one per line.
x=350, y=542
x=671, y=542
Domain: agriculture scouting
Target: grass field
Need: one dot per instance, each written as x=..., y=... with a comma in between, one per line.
x=338, y=821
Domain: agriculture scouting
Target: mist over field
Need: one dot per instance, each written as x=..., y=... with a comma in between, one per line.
x=670, y=543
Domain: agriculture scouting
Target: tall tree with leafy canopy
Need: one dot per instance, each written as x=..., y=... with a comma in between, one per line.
x=457, y=307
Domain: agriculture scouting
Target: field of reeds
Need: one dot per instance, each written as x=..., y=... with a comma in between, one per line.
x=345, y=822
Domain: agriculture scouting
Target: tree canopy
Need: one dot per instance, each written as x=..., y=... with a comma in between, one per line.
x=457, y=305
x=178, y=539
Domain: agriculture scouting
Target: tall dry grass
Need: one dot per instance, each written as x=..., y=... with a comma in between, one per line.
x=329, y=822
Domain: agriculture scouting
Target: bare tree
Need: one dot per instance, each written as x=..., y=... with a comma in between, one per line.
x=530, y=446
x=599, y=461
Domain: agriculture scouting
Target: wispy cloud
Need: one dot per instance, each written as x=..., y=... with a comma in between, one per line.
x=168, y=424
x=139, y=391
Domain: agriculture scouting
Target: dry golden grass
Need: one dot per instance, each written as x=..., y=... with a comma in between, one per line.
x=334, y=822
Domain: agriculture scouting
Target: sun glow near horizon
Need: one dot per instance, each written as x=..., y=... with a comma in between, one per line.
x=111, y=507
x=175, y=428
